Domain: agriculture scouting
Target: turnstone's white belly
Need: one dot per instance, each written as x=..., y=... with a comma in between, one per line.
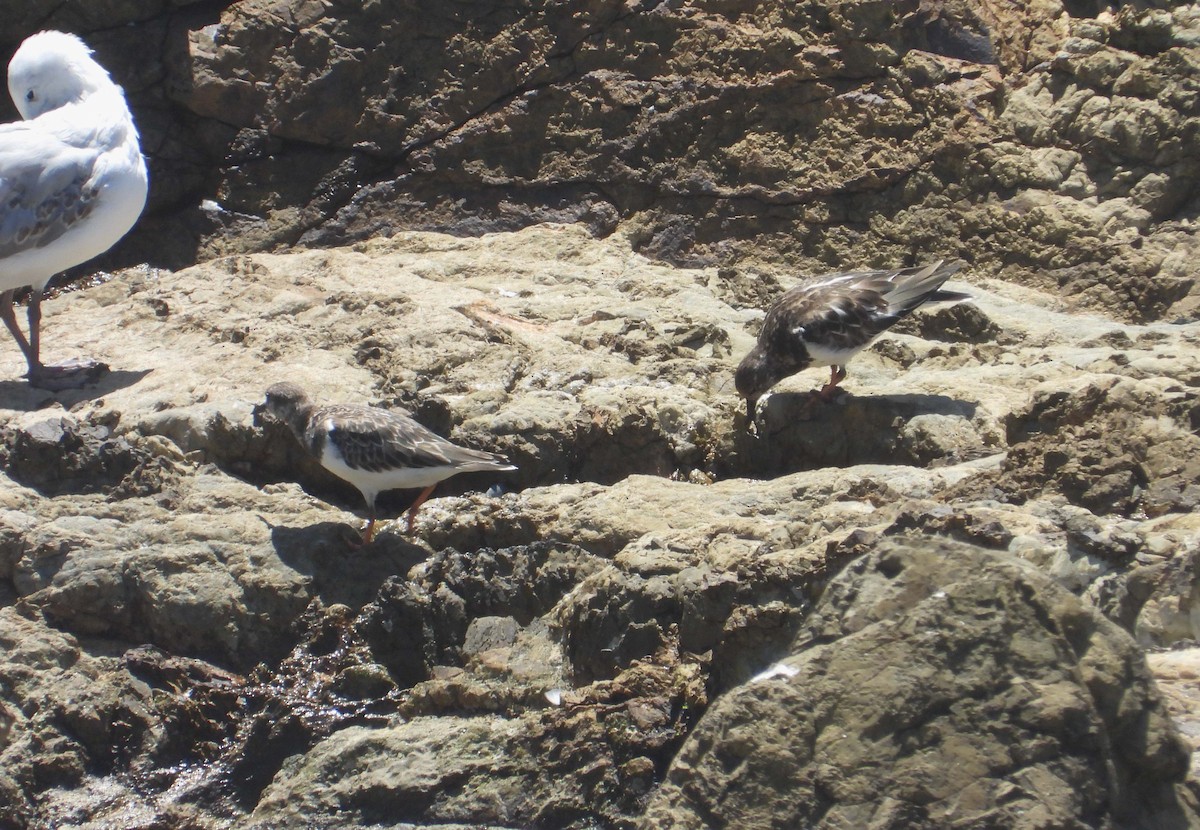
x=824, y=356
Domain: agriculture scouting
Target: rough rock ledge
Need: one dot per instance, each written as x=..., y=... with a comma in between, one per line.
x=958, y=565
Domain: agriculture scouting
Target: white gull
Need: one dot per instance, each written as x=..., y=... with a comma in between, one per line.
x=72, y=182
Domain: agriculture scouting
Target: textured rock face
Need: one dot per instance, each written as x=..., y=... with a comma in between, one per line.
x=937, y=685
x=189, y=639
x=1048, y=142
x=1019, y=137
x=195, y=642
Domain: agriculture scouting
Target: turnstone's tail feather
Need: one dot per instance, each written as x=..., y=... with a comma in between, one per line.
x=911, y=287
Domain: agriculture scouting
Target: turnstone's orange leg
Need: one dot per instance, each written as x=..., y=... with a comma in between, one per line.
x=368, y=534
x=412, y=511
x=837, y=374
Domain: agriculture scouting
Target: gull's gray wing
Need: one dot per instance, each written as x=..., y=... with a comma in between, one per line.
x=45, y=187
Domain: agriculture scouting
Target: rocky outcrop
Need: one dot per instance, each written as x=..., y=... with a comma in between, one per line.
x=916, y=606
x=1019, y=137
x=1047, y=142
x=197, y=642
x=935, y=685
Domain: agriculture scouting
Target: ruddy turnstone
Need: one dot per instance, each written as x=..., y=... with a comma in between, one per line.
x=828, y=322
x=72, y=182
x=375, y=449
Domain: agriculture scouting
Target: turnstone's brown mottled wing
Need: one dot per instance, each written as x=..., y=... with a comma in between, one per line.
x=842, y=315
x=378, y=440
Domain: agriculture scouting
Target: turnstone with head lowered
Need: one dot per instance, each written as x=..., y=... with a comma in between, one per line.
x=828, y=322
x=72, y=181
x=375, y=449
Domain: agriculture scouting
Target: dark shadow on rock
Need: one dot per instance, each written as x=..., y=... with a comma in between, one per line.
x=440, y=617
x=340, y=572
x=783, y=408
x=20, y=395
x=926, y=404
x=795, y=431
x=60, y=454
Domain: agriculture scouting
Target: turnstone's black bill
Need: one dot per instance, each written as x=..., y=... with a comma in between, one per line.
x=374, y=449
x=828, y=322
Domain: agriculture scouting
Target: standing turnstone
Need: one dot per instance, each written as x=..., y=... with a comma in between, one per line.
x=374, y=449
x=828, y=322
x=72, y=182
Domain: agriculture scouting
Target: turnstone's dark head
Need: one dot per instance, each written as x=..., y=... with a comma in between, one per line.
x=757, y=373
x=289, y=403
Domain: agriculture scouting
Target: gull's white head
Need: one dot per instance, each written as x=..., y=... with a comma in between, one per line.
x=52, y=69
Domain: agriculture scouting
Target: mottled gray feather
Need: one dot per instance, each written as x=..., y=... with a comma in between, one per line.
x=39, y=202
x=377, y=440
x=372, y=439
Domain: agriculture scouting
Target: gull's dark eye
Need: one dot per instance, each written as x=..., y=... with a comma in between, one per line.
x=30, y=96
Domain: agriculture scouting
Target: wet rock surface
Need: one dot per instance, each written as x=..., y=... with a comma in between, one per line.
x=194, y=640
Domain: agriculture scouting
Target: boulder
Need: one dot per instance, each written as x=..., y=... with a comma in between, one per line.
x=936, y=684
